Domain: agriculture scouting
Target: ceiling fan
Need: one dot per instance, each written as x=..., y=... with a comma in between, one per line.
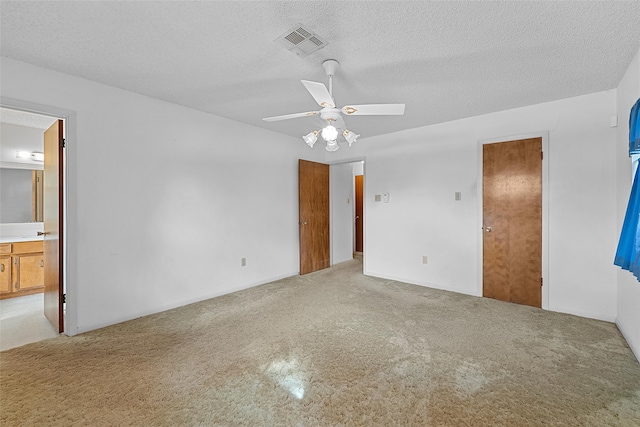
x=333, y=115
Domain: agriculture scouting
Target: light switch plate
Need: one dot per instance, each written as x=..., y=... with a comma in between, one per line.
x=613, y=121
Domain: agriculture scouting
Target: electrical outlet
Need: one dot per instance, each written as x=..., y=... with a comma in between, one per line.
x=425, y=259
x=378, y=198
x=243, y=262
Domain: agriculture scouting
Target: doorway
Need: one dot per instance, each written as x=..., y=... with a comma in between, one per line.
x=359, y=214
x=347, y=211
x=512, y=221
x=21, y=124
x=336, y=203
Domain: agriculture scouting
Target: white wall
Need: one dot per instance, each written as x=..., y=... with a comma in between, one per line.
x=342, y=199
x=628, y=319
x=423, y=168
x=163, y=201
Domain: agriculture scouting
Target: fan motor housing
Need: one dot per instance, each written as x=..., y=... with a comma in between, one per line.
x=330, y=114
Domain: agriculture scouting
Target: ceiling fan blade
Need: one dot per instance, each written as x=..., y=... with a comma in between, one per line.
x=319, y=93
x=290, y=116
x=374, y=110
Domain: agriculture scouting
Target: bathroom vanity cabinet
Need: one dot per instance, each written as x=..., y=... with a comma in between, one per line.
x=21, y=268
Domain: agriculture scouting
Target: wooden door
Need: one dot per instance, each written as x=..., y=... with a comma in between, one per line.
x=313, y=196
x=53, y=214
x=512, y=218
x=359, y=212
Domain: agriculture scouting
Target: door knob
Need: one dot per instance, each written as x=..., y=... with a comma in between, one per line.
x=302, y=222
x=488, y=229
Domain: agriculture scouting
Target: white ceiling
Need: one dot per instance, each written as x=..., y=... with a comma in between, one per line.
x=25, y=118
x=444, y=60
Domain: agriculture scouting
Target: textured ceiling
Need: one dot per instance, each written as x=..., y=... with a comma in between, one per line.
x=26, y=119
x=444, y=60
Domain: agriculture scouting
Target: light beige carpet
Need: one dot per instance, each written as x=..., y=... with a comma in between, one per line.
x=333, y=348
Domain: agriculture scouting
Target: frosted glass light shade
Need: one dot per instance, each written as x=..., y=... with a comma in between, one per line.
x=311, y=138
x=332, y=146
x=329, y=133
x=350, y=136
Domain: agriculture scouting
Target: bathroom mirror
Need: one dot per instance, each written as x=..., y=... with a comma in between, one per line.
x=21, y=198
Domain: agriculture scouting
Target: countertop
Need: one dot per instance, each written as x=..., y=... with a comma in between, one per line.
x=14, y=239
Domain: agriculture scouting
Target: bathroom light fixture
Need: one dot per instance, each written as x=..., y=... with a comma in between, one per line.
x=35, y=155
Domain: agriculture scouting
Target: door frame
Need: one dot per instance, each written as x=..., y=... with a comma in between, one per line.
x=544, y=135
x=69, y=190
x=364, y=204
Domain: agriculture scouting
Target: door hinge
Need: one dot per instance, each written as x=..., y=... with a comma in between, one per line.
x=541, y=281
x=542, y=155
x=63, y=143
x=64, y=298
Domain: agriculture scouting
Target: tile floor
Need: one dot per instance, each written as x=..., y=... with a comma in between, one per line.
x=22, y=321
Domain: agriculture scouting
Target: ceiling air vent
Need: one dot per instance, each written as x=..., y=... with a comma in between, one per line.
x=301, y=41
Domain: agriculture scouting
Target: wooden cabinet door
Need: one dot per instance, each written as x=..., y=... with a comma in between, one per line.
x=31, y=273
x=5, y=274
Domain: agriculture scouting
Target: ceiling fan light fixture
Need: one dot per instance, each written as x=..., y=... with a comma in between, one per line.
x=311, y=138
x=350, y=136
x=329, y=113
x=330, y=133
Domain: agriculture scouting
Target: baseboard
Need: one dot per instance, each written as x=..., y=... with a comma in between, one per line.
x=603, y=317
x=595, y=316
x=182, y=303
x=635, y=351
x=420, y=283
x=340, y=261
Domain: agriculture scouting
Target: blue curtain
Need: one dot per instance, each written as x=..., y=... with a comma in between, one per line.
x=634, y=129
x=628, y=253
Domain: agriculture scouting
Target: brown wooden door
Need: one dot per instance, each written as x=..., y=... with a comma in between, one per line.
x=359, y=212
x=512, y=218
x=313, y=193
x=53, y=213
